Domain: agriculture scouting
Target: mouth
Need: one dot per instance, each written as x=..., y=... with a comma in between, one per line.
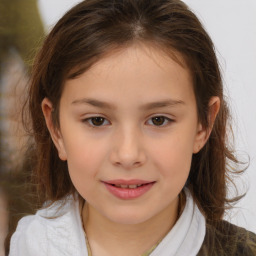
x=132, y=186
x=128, y=189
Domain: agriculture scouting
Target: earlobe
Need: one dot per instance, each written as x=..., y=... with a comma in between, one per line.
x=204, y=133
x=55, y=133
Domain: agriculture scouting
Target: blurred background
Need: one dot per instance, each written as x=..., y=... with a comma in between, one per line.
x=21, y=33
x=23, y=25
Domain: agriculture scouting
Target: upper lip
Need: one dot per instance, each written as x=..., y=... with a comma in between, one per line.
x=127, y=182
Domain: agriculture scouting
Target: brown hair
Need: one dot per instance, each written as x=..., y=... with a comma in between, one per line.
x=96, y=27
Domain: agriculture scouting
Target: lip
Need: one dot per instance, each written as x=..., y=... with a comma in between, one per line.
x=128, y=193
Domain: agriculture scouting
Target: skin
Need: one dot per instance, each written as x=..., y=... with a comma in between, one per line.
x=130, y=143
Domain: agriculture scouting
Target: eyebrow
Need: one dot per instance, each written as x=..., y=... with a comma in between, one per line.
x=94, y=102
x=148, y=106
x=162, y=104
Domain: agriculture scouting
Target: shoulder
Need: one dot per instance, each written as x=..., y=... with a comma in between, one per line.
x=28, y=230
x=227, y=239
x=54, y=230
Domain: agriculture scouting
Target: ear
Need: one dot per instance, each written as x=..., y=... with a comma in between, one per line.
x=204, y=133
x=55, y=133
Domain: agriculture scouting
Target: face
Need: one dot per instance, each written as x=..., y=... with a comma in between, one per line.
x=128, y=130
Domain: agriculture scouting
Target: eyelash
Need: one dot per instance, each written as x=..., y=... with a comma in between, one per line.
x=166, y=122
x=89, y=121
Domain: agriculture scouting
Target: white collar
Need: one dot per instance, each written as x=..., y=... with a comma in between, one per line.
x=187, y=235
x=64, y=234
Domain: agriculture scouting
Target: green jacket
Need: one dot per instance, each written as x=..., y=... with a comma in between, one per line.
x=227, y=239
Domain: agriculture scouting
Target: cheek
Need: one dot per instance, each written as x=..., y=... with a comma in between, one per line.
x=84, y=159
x=174, y=156
x=83, y=166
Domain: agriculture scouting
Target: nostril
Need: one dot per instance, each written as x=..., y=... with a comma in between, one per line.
x=137, y=164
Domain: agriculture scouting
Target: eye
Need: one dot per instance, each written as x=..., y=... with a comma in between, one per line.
x=96, y=121
x=159, y=121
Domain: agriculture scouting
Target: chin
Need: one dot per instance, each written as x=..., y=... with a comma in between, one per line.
x=128, y=218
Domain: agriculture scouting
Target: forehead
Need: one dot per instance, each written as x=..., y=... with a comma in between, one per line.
x=140, y=69
x=139, y=53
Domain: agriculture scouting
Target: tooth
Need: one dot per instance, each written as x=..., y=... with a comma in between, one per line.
x=124, y=186
x=132, y=186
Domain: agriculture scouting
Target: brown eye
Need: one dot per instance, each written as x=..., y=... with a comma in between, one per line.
x=158, y=120
x=97, y=121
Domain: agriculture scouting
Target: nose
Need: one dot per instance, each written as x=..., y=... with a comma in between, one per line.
x=127, y=149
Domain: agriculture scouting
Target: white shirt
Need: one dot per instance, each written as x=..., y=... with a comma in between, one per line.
x=44, y=234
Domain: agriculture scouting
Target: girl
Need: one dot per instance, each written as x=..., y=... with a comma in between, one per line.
x=129, y=121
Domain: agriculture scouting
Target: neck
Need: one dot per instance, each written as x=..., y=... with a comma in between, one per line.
x=110, y=238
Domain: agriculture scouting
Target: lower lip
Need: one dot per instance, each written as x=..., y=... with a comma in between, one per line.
x=128, y=193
